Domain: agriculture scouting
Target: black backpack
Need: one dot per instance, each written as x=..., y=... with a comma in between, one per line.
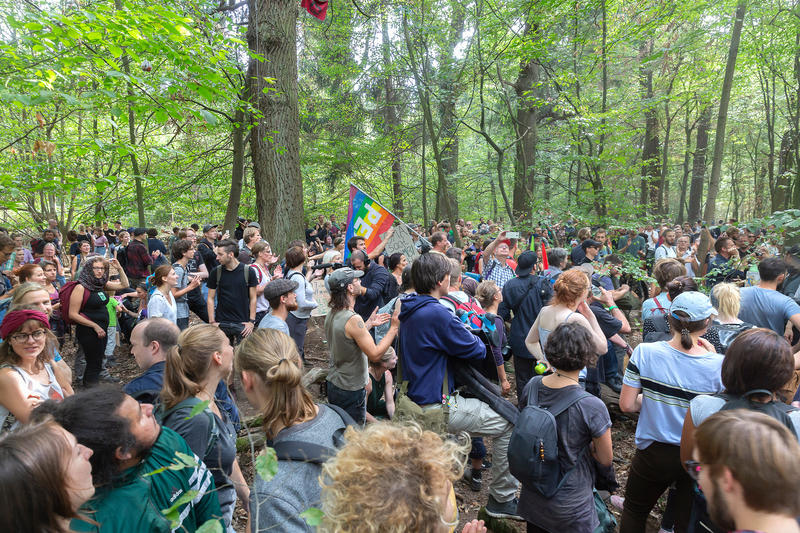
x=533, y=448
x=777, y=410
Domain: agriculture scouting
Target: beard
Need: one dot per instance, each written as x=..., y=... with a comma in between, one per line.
x=718, y=509
x=292, y=307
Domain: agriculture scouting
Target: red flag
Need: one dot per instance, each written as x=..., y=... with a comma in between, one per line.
x=544, y=257
x=317, y=8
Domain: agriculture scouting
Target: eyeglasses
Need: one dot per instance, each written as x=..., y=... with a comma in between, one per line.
x=23, y=337
x=693, y=468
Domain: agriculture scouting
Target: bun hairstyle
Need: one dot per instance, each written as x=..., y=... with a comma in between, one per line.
x=680, y=285
x=270, y=356
x=570, y=287
x=188, y=362
x=685, y=327
x=160, y=274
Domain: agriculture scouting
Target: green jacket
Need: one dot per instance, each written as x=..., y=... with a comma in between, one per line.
x=135, y=501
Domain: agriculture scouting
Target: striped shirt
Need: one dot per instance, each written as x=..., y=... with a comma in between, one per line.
x=669, y=379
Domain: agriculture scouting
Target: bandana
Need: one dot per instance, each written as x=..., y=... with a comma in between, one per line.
x=15, y=319
x=87, y=278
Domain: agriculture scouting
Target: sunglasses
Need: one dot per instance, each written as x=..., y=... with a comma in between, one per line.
x=693, y=468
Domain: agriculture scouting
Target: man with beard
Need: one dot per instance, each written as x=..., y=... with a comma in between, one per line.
x=127, y=446
x=666, y=248
x=751, y=482
x=282, y=299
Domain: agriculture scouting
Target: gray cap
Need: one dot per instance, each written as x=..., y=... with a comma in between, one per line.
x=254, y=225
x=279, y=287
x=341, y=278
x=693, y=303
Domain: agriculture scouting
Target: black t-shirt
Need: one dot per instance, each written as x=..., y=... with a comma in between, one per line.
x=75, y=248
x=605, y=320
x=233, y=297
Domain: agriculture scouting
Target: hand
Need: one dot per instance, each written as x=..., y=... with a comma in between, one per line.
x=705, y=344
x=505, y=386
x=396, y=314
x=195, y=282
x=607, y=298
x=476, y=526
x=788, y=334
x=583, y=308
x=390, y=232
x=624, y=287
x=101, y=333
x=115, y=263
x=248, y=328
x=278, y=272
x=376, y=319
x=156, y=254
x=501, y=236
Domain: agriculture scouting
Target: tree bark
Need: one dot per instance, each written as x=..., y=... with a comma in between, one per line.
x=527, y=132
x=651, y=171
x=687, y=152
x=699, y=165
x=237, y=172
x=722, y=117
x=274, y=139
x=390, y=118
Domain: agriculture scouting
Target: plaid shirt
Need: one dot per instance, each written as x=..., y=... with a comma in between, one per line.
x=497, y=272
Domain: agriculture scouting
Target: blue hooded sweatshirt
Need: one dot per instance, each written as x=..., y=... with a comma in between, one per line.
x=429, y=334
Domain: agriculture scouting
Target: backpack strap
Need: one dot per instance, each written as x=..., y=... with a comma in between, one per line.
x=300, y=451
x=573, y=395
x=344, y=415
x=658, y=306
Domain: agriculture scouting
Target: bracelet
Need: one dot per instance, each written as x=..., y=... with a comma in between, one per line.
x=611, y=307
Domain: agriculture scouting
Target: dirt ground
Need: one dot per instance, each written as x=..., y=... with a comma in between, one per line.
x=469, y=502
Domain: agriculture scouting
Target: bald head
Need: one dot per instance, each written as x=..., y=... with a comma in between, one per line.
x=151, y=339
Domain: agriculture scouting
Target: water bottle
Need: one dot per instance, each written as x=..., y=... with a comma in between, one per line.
x=753, y=277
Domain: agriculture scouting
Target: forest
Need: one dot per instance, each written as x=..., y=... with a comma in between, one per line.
x=200, y=110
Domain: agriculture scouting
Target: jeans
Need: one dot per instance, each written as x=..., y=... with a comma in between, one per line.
x=478, y=419
x=297, y=331
x=652, y=471
x=354, y=402
x=610, y=363
x=523, y=372
x=182, y=323
x=111, y=343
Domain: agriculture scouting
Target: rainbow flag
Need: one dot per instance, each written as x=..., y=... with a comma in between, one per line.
x=366, y=218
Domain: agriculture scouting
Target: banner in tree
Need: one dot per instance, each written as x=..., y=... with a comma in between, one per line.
x=366, y=218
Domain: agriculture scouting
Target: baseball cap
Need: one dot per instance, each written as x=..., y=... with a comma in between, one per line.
x=590, y=243
x=139, y=231
x=693, y=303
x=526, y=262
x=209, y=227
x=341, y=278
x=279, y=287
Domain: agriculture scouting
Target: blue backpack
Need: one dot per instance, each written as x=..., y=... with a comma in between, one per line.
x=533, y=449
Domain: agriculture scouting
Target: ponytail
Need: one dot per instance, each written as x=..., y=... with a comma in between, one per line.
x=680, y=324
x=271, y=357
x=188, y=362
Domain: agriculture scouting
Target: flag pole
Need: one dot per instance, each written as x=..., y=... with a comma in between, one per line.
x=395, y=216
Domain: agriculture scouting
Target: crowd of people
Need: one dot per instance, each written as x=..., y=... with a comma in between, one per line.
x=475, y=332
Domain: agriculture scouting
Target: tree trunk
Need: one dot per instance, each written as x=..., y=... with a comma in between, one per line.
x=237, y=172
x=425, y=219
x=651, y=171
x=722, y=117
x=699, y=166
x=663, y=197
x=687, y=130
x=526, y=129
x=274, y=139
x=391, y=121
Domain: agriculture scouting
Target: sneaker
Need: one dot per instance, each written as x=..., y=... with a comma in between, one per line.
x=473, y=479
x=507, y=509
x=487, y=465
x=105, y=377
x=615, y=384
x=617, y=501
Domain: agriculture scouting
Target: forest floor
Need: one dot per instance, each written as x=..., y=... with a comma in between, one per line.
x=469, y=502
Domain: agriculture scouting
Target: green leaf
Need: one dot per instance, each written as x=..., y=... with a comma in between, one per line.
x=210, y=526
x=209, y=117
x=94, y=35
x=133, y=32
x=267, y=464
x=33, y=26
x=312, y=516
x=115, y=50
x=197, y=409
x=173, y=513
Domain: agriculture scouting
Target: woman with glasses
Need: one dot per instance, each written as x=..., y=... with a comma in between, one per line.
x=26, y=375
x=263, y=259
x=88, y=308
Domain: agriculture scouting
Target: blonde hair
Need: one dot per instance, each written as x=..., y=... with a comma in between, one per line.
x=385, y=358
x=485, y=293
x=405, y=461
x=455, y=271
x=188, y=362
x=728, y=299
x=21, y=290
x=272, y=356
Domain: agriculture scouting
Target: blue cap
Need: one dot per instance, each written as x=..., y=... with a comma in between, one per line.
x=693, y=303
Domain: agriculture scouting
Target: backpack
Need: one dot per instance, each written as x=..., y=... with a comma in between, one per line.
x=777, y=410
x=471, y=311
x=533, y=448
x=64, y=294
x=246, y=274
x=661, y=331
x=309, y=452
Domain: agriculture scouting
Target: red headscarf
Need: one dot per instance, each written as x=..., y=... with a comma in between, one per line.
x=15, y=319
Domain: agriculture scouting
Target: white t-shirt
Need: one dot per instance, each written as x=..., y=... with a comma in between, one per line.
x=160, y=306
x=669, y=379
x=652, y=239
x=665, y=251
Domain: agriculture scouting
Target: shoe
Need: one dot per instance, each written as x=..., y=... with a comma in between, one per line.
x=473, y=479
x=617, y=501
x=662, y=530
x=486, y=464
x=614, y=384
x=507, y=509
x=105, y=377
